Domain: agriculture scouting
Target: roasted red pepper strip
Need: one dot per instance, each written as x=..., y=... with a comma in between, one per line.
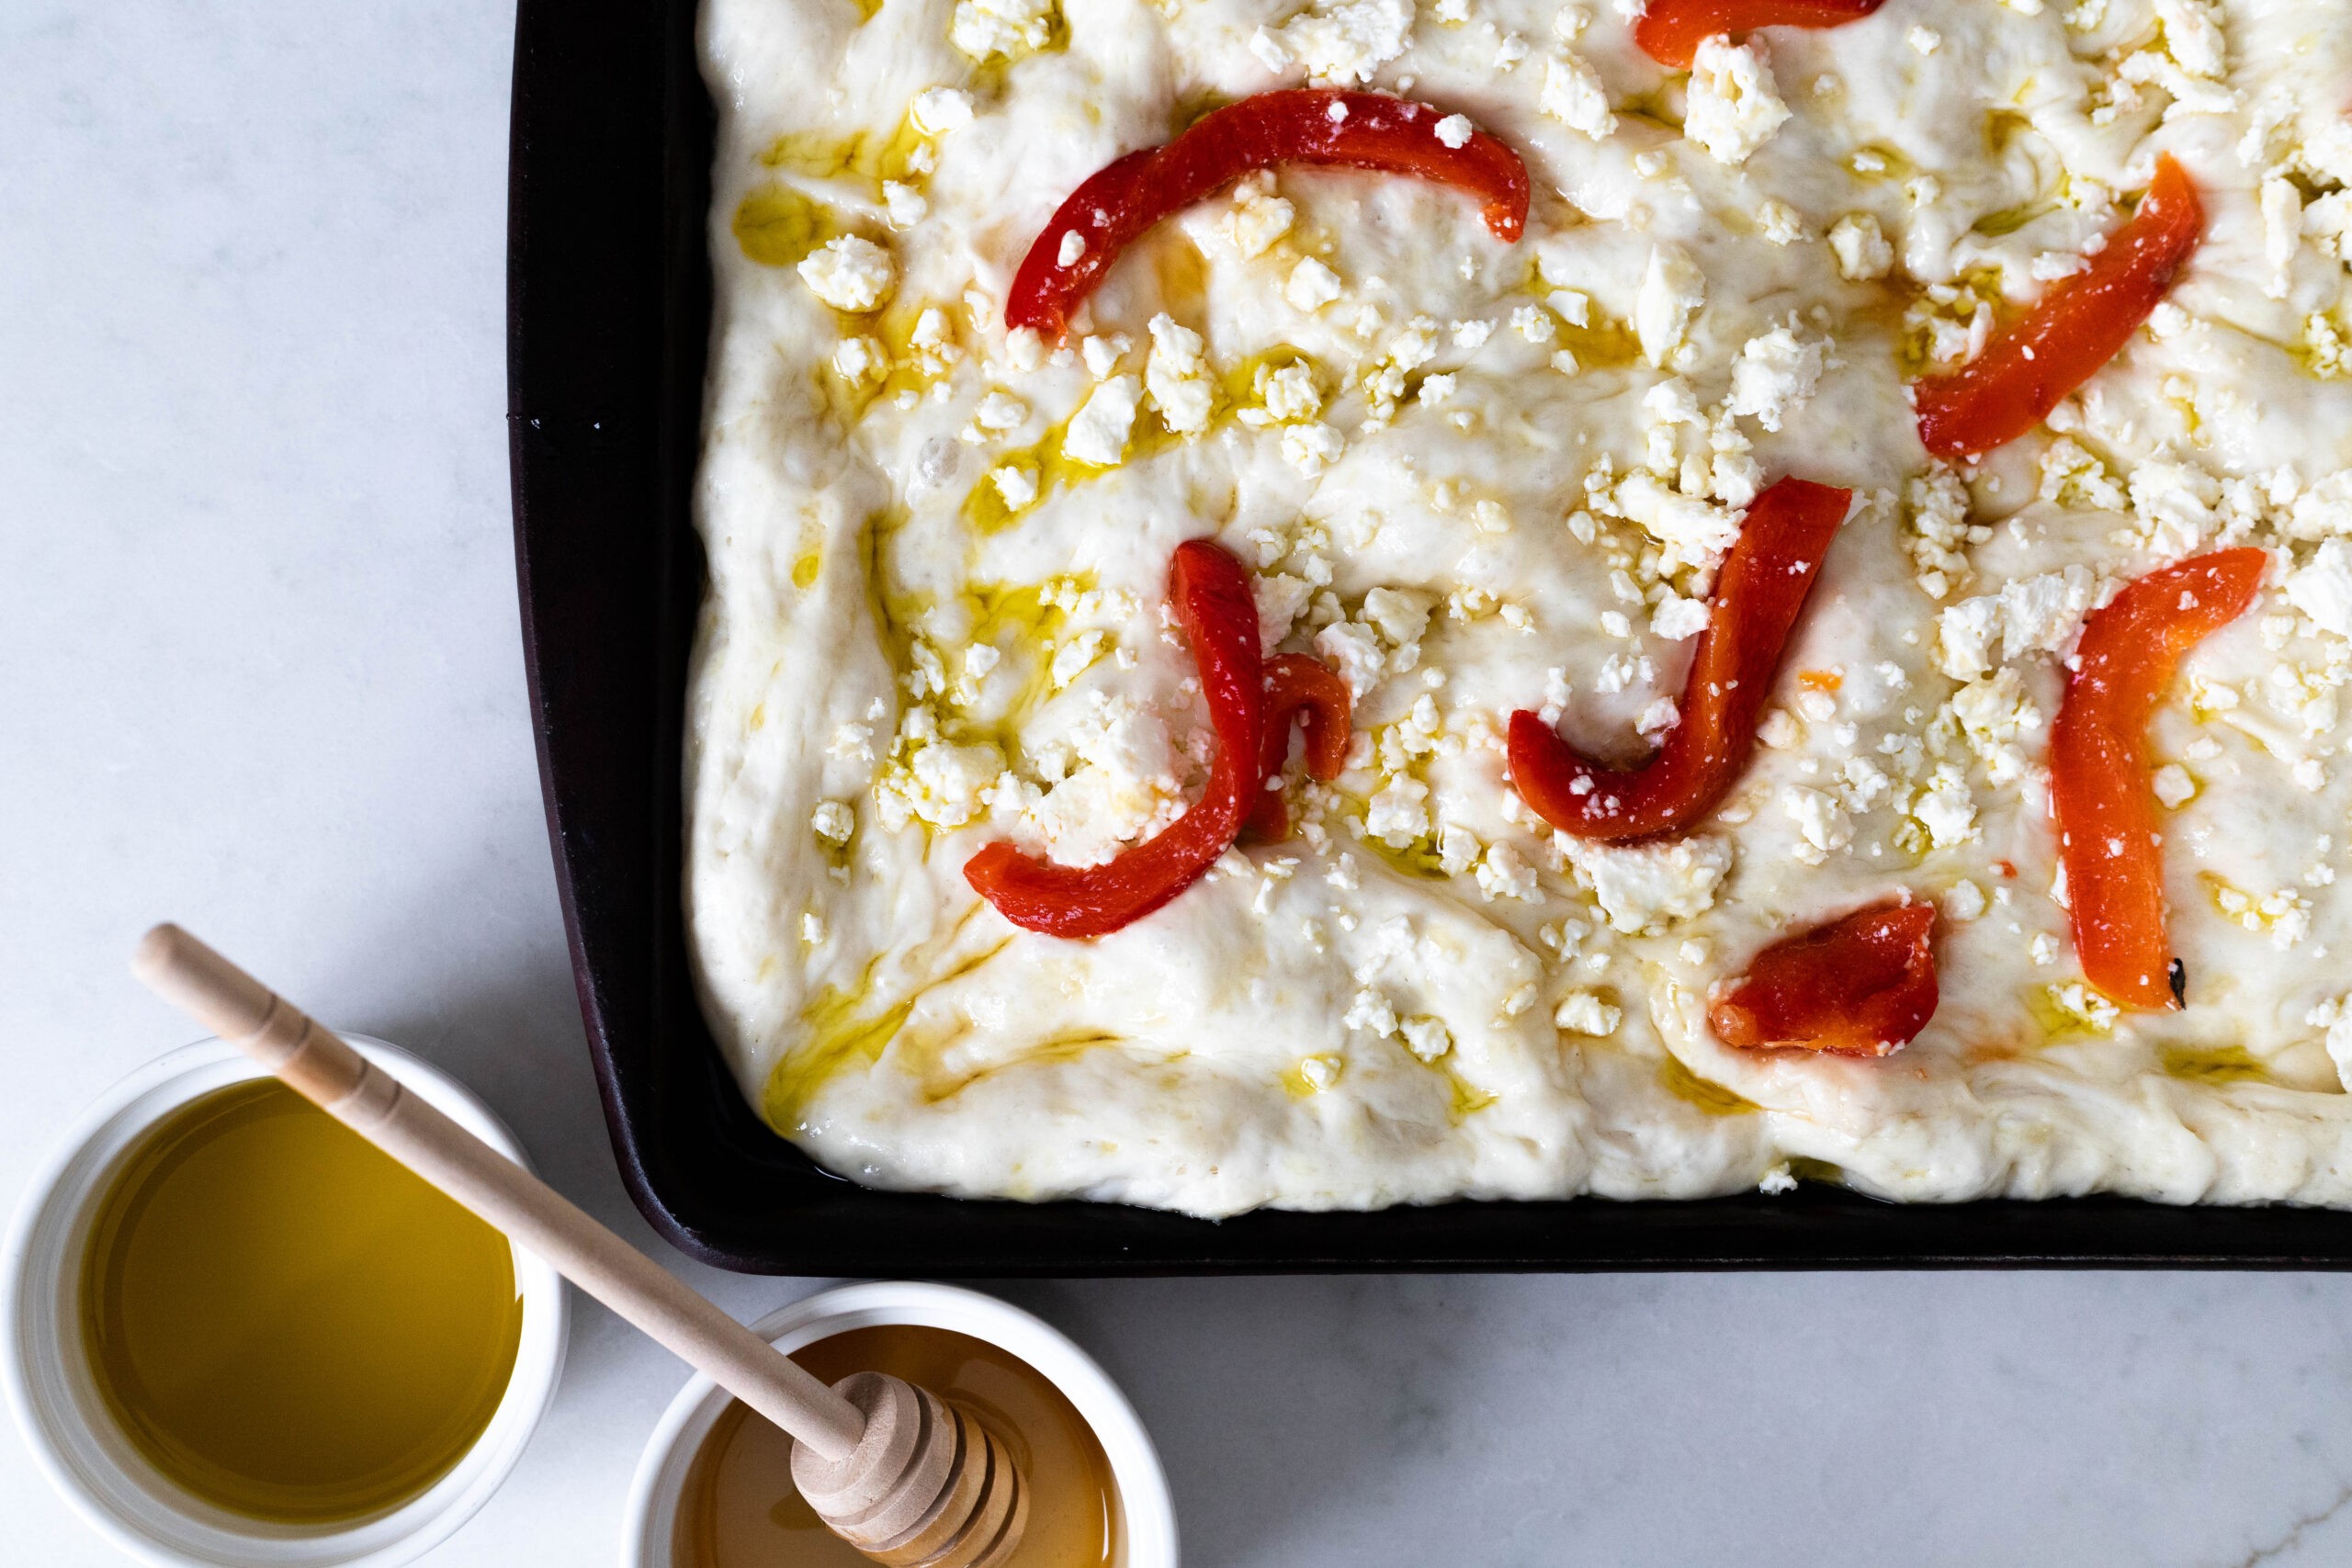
x=1297, y=125
x=1671, y=30
x=1863, y=985
x=1758, y=595
x=1303, y=689
x=1211, y=595
x=2099, y=770
x=2077, y=327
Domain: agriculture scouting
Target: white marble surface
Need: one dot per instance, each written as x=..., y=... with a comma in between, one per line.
x=259, y=671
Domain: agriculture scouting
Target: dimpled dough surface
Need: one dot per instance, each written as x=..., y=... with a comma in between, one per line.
x=1473, y=478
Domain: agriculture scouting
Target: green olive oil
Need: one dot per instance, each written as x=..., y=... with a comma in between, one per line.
x=286, y=1323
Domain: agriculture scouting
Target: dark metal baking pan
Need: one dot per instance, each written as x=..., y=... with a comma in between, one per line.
x=608, y=302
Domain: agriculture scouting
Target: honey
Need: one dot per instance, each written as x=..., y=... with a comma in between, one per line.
x=739, y=1508
x=283, y=1321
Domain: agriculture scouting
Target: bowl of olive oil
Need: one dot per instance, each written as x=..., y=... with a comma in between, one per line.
x=239, y=1333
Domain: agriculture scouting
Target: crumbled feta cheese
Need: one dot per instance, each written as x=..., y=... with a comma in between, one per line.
x=1964, y=902
x=1177, y=377
x=1353, y=651
x=1319, y=1072
x=1673, y=288
x=938, y=110
x=1861, y=249
x=2084, y=1005
x=1778, y=221
x=1775, y=375
x=999, y=411
x=1822, y=823
x=1454, y=131
x=1097, y=432
x=2173, y=786
x=903, y=204
x=986, y=29
x=1678, y=619
x=1289, y=394
x=1371, y=1012
x=1693, y=529
x=2321, y=587
x=1425, y=1037
x=859, y=359
x=1573, y=95
x=1503, y=874
x=2029, y=615
x=850, y=274
x=1583, y=1012
x=1073, y=248
x=1731, y=107
x=1399, y=814
x=1016, y=484
x=1997, y=719
x=1311, y=448
x=1645, y=887
x=833, y=821
x=1944, y=809
x=1311, y=286
x=1341, y=41
x=1258, y=217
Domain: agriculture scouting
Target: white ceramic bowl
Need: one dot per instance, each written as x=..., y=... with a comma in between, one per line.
x=1148, y=1520
x=64, y=1418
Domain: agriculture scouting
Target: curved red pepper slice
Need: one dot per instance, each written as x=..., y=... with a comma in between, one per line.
x=1304, y=689
x=1863, y=985
x=1211, y=595
x=1761, y=588
x=2071, y=332
x=1671, y=30
x=1295, y=125
x=2099, y=772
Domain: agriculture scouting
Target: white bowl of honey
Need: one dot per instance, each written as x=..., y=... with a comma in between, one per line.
x=240, y=1334
x=714, y=1489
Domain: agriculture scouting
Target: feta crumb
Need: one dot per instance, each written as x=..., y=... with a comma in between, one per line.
x=1777, y=1180
x=1673, y=288
x=903, y=204
x=1425, y=1037
x=1177, y=377
x=2173, y=786
x=1258, y=217
x=1016, y=484
x=1454, y=131
x=1583, y=1012
x=1861, y=249
x=832, y=821
x=2029, y=615
x=1311, y=448
x=1311, y=286
x=986, y=29
x=1733, y=107
x=1645, y=887
x=1944, y=809
x=1678, y=619
x=1343, y=42
x=850, y=274
x=1964, y=902
x=1573, y=95
x=1320, y=1072
x=2084, y=1005
x=1073, y=247
x=1822, y=823
x=2321, y=587
x=1775, y=375
x=1097, y=432
x=812, y=927
x=1779, y=222
x=938, y=110
x=1398, y=814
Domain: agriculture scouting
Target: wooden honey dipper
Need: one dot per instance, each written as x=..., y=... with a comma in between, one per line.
x=900, y=1474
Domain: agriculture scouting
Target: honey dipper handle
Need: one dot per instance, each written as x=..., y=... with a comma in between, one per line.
x=322, y=1067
